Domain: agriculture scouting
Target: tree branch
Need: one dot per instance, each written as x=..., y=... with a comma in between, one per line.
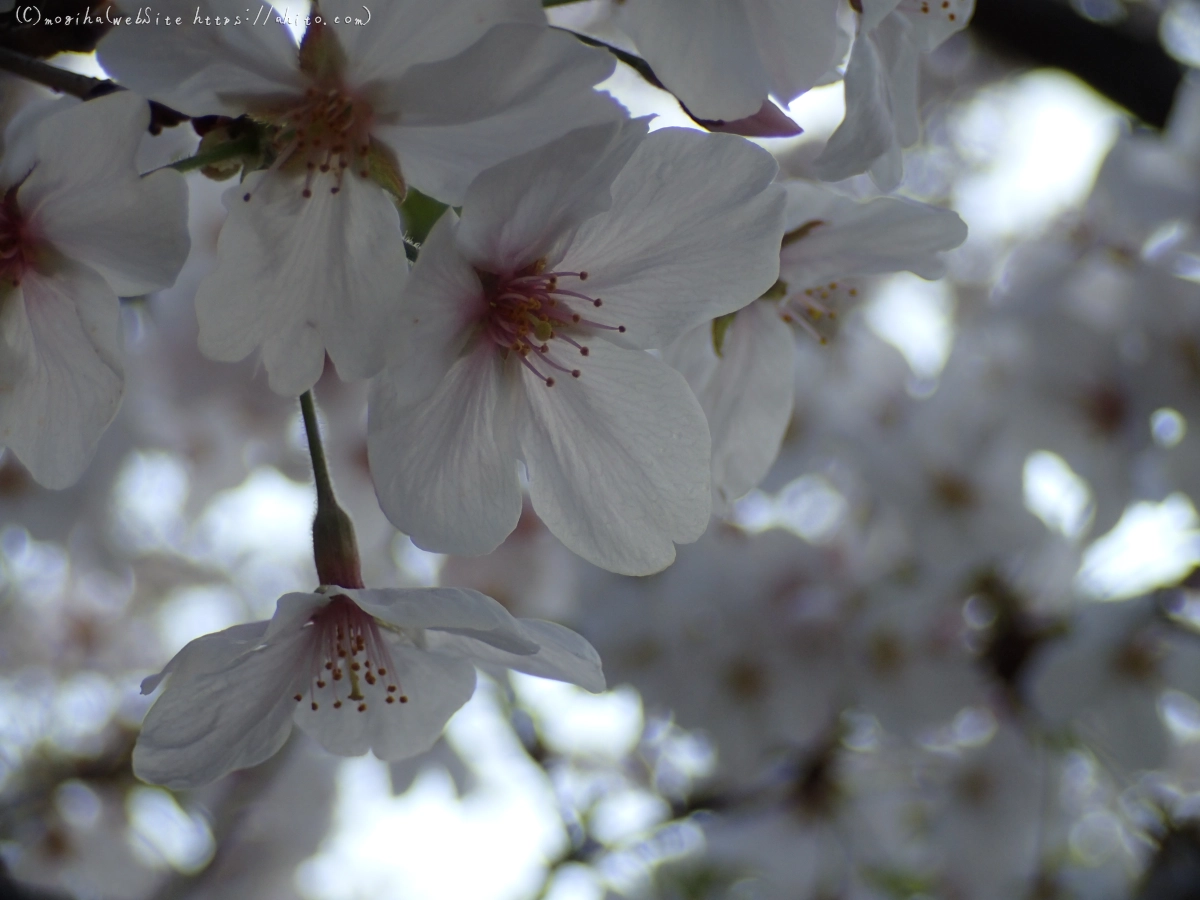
x=1129, y=68
x=85, y=87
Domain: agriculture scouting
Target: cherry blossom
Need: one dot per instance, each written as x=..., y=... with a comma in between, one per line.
x=524, y=334
x=743, y=371
x=1102, y=681
x=742, y=638
x=311, y=257
x=78, y=227
x=359, y=670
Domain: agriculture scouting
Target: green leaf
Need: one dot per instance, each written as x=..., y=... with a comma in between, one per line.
x=419, y=212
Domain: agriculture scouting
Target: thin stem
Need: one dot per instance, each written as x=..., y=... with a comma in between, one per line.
x=312, y=429
x=335, y=549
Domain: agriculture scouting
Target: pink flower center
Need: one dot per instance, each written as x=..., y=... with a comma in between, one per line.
x=327, y=131
x=534, y=316
x=349, y=661
x=15, y=242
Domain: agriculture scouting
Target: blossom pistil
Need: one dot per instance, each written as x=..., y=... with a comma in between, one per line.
x=528, y=311
x=347, y=651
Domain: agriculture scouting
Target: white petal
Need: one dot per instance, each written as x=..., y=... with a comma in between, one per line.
x=442, y=305
x=947, y=18
x=797, y=42
x=746, y=393
x=703, y=51
x=618, y=460
x=20, y=137
x=889, y=234
x=202, y=69
x=333, y=263
x=209, y=653
x=292, y=611
x=866, y=132
x=451, y=610
x=693, y=233
x=209, y=722
x=435, y=685
x=65, y=329
x=1126, y=728
x=405, y=33
x=445, y=469
x=888, y=171
x=86, y=197
x=875, y=11
x=527, y=207
x=294, y=359
x=517, y=88
x=562, y=654
x=894, y=40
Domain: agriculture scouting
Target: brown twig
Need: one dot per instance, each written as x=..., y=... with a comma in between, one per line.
x=85, y=87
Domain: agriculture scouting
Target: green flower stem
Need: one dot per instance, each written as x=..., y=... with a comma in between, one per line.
x=335, y=549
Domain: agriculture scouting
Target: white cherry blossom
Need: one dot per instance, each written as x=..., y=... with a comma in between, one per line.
x=525, y=325
x=311, y=257
x=78, y=227
x=1102, y=681
x=747, y=389
x=359, y=670
x=882, y=97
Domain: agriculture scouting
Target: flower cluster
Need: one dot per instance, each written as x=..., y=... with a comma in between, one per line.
x=557, y=344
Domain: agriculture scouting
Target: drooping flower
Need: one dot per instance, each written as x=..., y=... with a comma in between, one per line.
x=882, y=100
x=358, y=670
x=78, y=227
x=311, y=257
x=525, y=325
x=742, y=368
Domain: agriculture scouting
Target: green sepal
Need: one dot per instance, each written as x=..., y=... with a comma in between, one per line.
x=799, y=233
x=721, y=325
x=384, y=169
x=321, y=55
x=777, y=291
x=227, y=149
